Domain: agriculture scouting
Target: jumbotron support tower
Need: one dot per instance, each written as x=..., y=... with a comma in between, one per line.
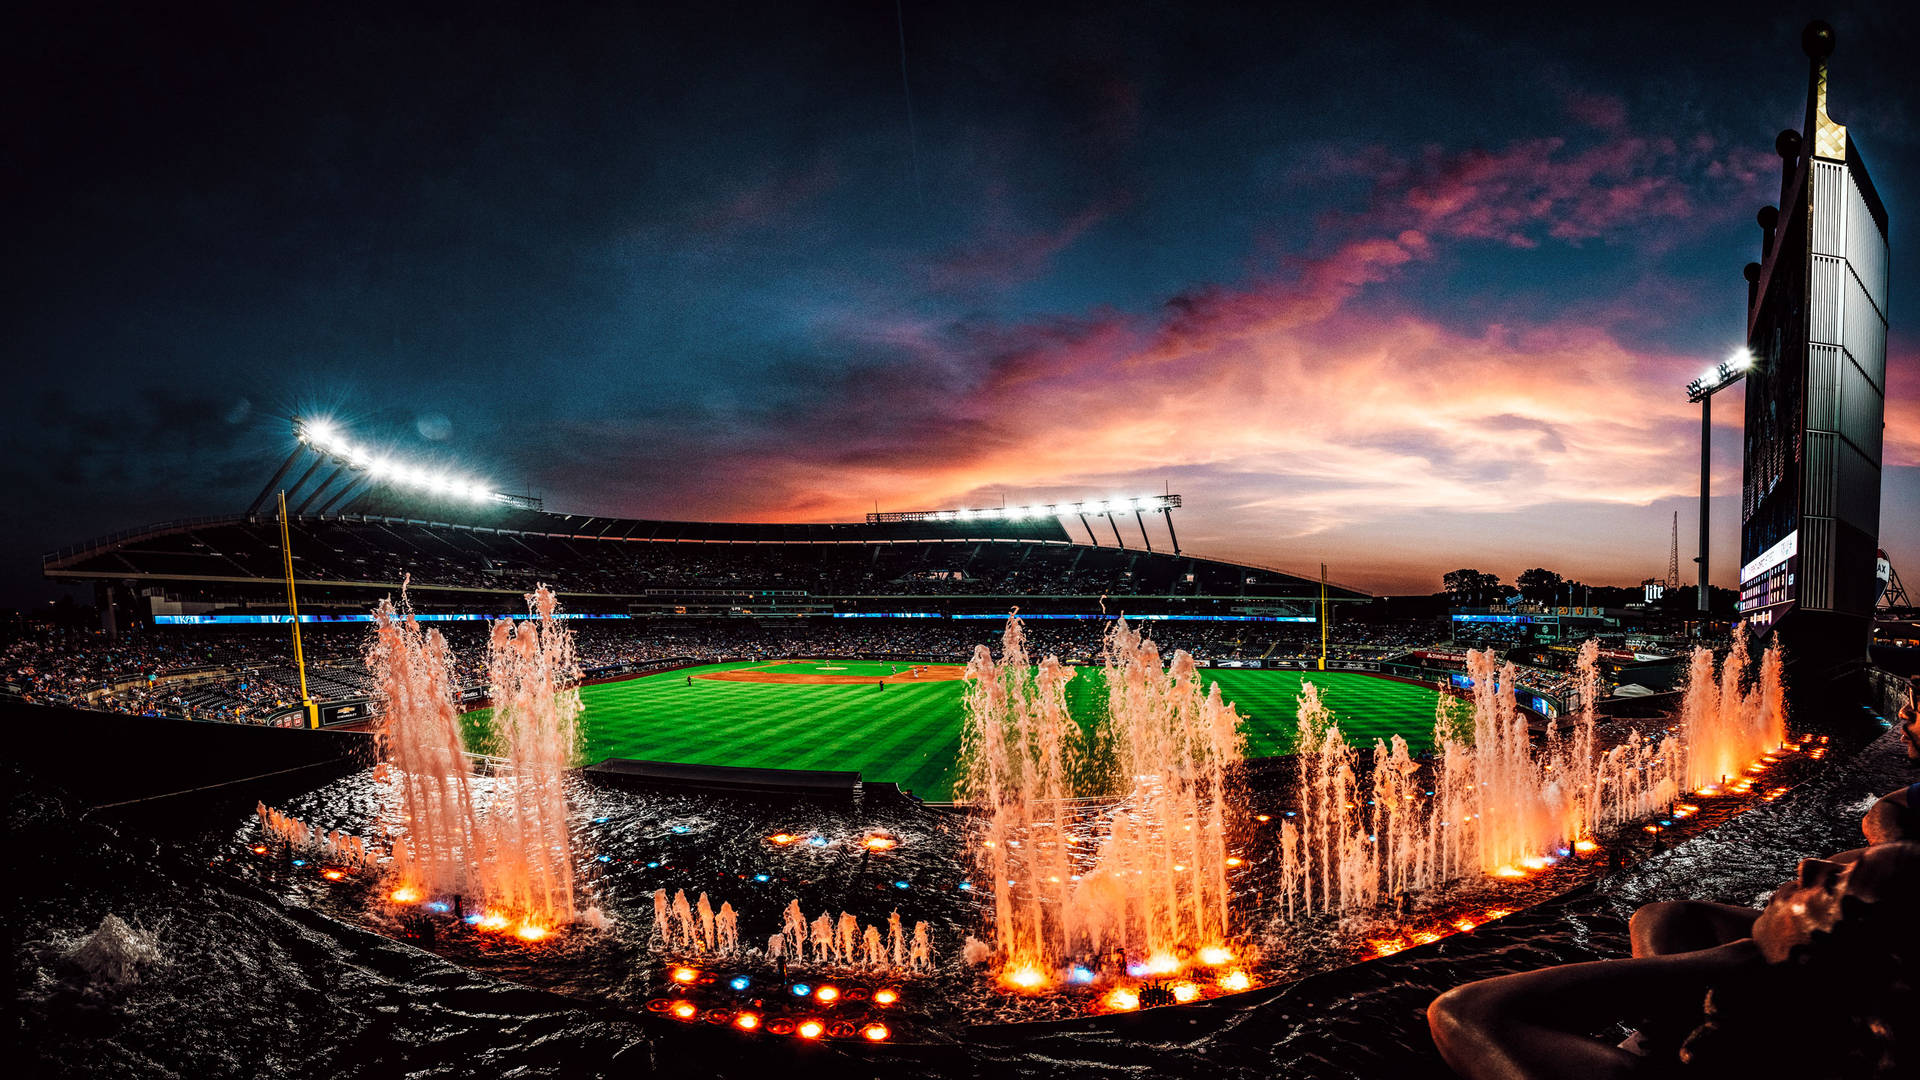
x=1815, y=404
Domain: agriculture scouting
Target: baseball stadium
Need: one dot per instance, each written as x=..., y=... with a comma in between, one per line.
x=804, y=647
x=392, y=772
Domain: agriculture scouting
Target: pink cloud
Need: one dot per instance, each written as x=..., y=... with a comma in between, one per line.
x=1307, y=413
x=1902, y=445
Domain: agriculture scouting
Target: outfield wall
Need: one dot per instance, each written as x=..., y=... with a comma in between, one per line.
x=107, y=758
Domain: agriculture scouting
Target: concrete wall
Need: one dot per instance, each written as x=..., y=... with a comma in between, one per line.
x=105, y=758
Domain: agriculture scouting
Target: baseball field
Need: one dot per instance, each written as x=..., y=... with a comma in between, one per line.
x=902, y=722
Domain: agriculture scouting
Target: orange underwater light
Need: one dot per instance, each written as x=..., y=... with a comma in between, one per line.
x=1025, y=978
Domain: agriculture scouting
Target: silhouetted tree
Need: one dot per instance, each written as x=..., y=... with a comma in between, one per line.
x=1472, y=588
x=1540, y=585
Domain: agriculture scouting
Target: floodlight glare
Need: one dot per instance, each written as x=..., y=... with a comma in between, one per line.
x=1151, y=503
x=324, y=437
x=318, y=432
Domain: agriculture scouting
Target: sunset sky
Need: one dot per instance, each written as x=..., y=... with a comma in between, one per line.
x=1372, y=287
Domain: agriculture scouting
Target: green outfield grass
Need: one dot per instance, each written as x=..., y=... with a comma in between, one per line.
x=910, y=733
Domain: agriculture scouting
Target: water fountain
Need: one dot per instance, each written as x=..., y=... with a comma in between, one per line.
x=536, y=704
x=115, y=953
x=1150, y=887
x=1491, y=801
x=1728, y=722
x=1124, y=864
x=510, y=855
x=440, y=845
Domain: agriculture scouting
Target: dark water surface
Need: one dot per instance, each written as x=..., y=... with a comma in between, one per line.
x=268, y=972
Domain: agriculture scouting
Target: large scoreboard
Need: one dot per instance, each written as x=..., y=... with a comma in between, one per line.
x=1816, y=398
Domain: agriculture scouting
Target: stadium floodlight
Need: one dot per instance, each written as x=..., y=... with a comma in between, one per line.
x=325, y=438
x=1145, y=503
x=1721, y=375
x=1715, y=379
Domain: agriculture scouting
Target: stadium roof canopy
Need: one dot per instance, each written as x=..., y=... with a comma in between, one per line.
x=383, y=537
x=411, y=507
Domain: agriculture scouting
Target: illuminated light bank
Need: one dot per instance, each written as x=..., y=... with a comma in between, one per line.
x=1148, y=504
x=325, y=437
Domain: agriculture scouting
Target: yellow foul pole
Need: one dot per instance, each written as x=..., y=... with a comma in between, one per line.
x=1323, y=613
x=293, y=611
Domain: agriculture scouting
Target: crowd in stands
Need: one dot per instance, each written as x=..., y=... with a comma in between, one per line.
x=1547, y=681
x=247, y=674
x=352, y=550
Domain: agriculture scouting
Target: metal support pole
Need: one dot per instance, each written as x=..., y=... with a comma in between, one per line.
x=1706, y=465
x=1171, y=535
x=355, y=485
x=260, y=499
x=1089, y=528
x=1116, y=531
x=294, y=488
x=1144, y=538
x=321, y=489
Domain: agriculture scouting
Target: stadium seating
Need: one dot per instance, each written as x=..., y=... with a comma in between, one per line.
x=382, y=551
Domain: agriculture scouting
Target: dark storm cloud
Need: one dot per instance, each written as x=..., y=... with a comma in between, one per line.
x=1348, y=275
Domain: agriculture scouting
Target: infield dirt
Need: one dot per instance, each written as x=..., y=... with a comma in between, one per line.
x=928, y=673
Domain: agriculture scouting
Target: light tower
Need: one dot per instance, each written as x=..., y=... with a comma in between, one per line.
x=1673, y=555
x=1715, y=379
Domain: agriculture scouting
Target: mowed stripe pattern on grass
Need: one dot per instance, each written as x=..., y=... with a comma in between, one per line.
x=910, y=734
